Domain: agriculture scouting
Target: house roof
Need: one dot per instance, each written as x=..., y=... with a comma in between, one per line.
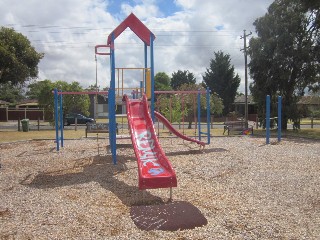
x=309, y=100
x=136, y=26
x=304, y=100
x=28, y=102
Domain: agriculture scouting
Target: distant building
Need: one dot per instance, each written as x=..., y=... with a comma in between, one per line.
x=101, y=109
x=309, y=104
x=28, y=103
x=239, y=105
x=306, y=104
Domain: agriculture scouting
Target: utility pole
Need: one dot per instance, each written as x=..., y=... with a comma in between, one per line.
x=244, y=37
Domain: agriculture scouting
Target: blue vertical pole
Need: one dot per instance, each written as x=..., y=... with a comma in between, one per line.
x=61, y=119
x=112, y=104
x=199, y=116
x=56, y=116
x=152, y=75
x=141, y=88
x=208, y=114
x=268, y=119
x=145, y=66
x=279, y=117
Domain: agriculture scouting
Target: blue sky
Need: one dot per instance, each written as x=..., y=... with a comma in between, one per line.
x=188, y=32
x=167, y=7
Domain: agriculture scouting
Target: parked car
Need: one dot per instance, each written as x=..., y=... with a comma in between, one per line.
x=71, y=119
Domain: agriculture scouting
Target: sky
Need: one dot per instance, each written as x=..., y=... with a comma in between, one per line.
x=188, y=32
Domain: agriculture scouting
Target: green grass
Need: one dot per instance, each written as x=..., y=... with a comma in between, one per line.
x=305, y=133
x=308, y=121
x=14, y=135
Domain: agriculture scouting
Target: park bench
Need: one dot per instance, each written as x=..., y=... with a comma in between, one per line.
x=230, y=126
x=98, y=128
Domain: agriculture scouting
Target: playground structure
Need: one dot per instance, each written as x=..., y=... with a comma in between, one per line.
x=155, y=170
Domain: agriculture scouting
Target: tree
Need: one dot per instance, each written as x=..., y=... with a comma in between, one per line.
x=9, y=93
x=18, y=59
x=182, y=77
x=170, y=107
x=190, y=102
x=42, y=91
x=221, y=79
x=162, y=82
x=284, y=56
x=184, y=105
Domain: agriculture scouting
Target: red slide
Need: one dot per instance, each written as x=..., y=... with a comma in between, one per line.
x=154, y=168
x=174, y=131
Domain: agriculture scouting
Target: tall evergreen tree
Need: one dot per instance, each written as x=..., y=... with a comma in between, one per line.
x=221, y=79
x=182, y=77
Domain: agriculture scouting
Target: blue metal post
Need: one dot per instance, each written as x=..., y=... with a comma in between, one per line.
x=279, y=117
x=112, y=104
x=61, y=119
x=56, y=116
x=145, y=66
x=141, y=88
x=208, y=114
x=152, y=75
x=268, y=119
x=199, y=116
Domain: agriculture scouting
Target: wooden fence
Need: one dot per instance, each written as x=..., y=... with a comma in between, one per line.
x=9, y=114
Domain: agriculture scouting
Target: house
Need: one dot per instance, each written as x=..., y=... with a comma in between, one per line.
x=306, y=104
x=239, y=105
x=101, y=109
x=28, y=103
x=309, y=104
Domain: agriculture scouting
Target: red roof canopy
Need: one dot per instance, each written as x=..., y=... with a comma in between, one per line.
x=136, y=26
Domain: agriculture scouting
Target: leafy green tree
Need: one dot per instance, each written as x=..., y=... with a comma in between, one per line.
x=182, y=77
x=221, y=79
x=190, y=102
x=170, y=107
x=42, y=90
x=74, y=103
x=162, y=82
x=184, y=106
x=18, y=59
x=284, y=56
x=11, y=93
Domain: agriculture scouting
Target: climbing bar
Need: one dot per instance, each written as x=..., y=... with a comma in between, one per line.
x=101, y=46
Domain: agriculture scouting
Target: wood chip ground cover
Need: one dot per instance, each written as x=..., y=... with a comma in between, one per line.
x=244, y=188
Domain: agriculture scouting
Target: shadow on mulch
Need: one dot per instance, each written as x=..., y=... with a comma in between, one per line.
x=202, y=151
x=99, y=169
x=171, y=216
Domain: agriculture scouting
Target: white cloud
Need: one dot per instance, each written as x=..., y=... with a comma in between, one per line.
x=144, y=10
x=67, y=31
